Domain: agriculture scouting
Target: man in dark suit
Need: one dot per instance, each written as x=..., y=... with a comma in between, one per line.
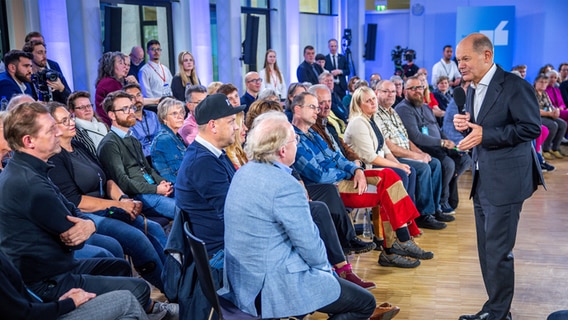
x=338, y=65
x=502, y=120
x=308, y=71
x=18, y=75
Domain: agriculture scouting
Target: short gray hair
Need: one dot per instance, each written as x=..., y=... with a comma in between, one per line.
x=269, y=133
x=165, y=106
x=314, y=89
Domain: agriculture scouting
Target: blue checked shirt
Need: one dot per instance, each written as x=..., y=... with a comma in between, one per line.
x=317, y=163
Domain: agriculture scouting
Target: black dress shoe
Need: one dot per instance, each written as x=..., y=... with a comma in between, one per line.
x=443, y=217
x=357, y=246
x=429, y=222
x=478, y=316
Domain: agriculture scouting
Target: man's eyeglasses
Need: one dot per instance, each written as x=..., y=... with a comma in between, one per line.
x=313, y=107
x=156, y=49
x=414, y=88
x=81, y=108
x=296, y=139
x=67, y=120
x=128, y=109
x=259, y=80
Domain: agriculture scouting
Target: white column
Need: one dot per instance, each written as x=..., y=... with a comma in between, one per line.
x=229, y=42
x=200, y=39
x=285, y=34
x=355, y=20
x=85, y=37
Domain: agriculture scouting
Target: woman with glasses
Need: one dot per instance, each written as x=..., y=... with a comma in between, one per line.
x=168, y=147
x=271, y=75
x=79, y=103
x=111, y=73
x=186, y=75
x=550, y=117
x=83, y=182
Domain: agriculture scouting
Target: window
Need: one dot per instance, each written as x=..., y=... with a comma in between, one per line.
x=315, y=6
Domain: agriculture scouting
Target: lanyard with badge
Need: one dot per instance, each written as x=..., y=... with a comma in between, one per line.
x=136, y=156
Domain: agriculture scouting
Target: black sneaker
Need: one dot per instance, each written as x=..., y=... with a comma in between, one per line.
x=411, y=249
x=357, y=245
x=547, y=167
x=429, y=222
x=442, y=217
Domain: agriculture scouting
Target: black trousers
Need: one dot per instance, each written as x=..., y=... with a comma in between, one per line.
x=328, y=234
x=329, y=194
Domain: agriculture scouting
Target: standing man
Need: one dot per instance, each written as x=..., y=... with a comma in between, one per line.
x=18, y=75
x=338, y=65
x=502, y=119
x=253, y=82
x=155, y=78
x=308, y=71
x=446, y=67
x=136, y=61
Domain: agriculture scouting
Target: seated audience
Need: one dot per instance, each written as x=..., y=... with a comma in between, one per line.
x=193, y=96
x=294, y=89
x=81, y=179
x=337, y=107
x=423, y=130
x=231, y=92
x=168, y=147
x=318, y=165
x=350, y=88
x=255, y=268
x=268, y=94
x=398, y=84
x=41, y=243
x=123, y=161
x=550, y=117
x=443, y=95
x=4, y=147
x=429, y=97
x=235, y=151
x=86, y=120
x=186, y=75
x=213, y=87
x=555, y=95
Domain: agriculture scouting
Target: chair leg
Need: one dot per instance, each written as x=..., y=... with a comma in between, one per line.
x=211, y=314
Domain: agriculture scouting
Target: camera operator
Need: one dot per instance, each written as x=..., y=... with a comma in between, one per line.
x=17, y=77
x=49, y=82
x=409, y=68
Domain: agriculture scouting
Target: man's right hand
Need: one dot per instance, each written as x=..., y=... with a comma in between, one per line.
x=79, y=233
x=165, y=188
x=404, y=167
x=78, y=295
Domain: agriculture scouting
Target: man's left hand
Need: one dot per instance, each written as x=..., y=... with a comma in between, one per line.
x=360, y=181
x=56, y=85
x=473, y=138
x=78, y=233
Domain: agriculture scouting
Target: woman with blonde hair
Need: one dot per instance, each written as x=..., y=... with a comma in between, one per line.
x=235, y=151
x=271, y=76
x=186, y=75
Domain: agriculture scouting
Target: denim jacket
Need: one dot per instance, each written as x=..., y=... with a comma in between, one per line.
x=167, y=152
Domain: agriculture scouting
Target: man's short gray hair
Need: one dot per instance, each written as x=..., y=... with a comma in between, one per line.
x=314, y=89
x=270, y=132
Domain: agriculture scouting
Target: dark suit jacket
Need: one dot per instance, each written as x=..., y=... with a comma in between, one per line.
x=342, y=64
x=305, y=72
x=9, y=87
x=508, y=168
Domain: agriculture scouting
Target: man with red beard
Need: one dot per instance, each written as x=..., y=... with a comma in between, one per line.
x=18, y=75
x=122, y=158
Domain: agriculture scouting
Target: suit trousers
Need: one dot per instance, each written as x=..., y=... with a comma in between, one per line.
x=328, y=194
x=97, y=276
x=354, y=303
x=328, y=234
x=496, y=228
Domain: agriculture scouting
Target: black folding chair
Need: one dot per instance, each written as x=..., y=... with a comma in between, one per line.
x=224, y=308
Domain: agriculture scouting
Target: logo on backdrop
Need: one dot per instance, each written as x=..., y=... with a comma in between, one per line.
x=497, y=23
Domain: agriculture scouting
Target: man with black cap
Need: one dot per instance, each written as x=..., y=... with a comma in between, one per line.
x=206, y=171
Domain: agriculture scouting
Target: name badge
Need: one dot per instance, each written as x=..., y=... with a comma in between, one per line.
x=424, y=130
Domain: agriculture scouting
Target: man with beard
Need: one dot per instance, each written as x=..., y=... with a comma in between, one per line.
x=424, y=132
x=122, y=158
x=147, y=124
x=59, y=88
x=18, y=75
x=155, y=78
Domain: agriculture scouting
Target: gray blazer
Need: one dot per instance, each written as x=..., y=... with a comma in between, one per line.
x=272, y=246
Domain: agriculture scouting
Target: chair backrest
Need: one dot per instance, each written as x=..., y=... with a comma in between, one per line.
x=201, y=259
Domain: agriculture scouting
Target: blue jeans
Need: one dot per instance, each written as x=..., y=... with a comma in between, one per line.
x=428, y=184
x=146, y=251
x=157, y=205
x=100, y=246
